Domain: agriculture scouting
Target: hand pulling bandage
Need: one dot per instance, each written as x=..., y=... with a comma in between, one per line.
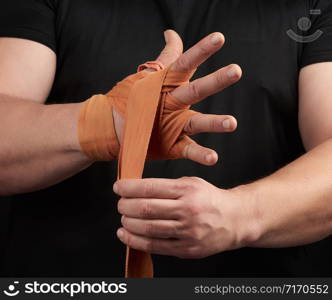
x=154, y=123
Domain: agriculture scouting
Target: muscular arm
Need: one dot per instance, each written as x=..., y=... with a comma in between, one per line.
x=39, y=145
x=291, y=207
x=294, y=205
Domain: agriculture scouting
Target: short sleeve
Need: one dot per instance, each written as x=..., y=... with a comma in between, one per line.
x=318, y=46
x=29, y=19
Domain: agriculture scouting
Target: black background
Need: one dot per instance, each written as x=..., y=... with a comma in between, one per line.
x=69, y=229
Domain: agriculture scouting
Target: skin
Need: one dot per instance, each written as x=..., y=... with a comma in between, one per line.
x=190, y=218
x=197, y=90
x=185, y=217
x=34, y=151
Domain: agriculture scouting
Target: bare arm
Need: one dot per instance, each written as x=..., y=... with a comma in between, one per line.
x=291, y=207
x=39, y=145
x=294, y=205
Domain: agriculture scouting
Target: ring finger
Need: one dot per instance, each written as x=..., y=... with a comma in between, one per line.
x=210, y=123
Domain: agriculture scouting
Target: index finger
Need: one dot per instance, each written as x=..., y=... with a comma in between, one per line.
x=148, y=188
x=199, y=53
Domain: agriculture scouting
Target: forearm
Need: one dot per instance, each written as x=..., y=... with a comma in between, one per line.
x=39, y=145
x=294, y=205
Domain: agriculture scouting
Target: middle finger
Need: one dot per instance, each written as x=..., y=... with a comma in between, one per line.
x=163, y=229
x=203, y=87
x=164, y=209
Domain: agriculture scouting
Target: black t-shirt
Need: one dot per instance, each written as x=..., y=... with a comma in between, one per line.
x=69, y=229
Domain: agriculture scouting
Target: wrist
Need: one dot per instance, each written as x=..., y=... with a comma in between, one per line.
x=73, y=139
x=96, y=130
x=250, y=222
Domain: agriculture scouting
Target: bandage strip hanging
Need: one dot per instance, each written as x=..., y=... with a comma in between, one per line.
x=154, y=122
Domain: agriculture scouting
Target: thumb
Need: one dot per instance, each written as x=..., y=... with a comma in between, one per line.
x=173, y=48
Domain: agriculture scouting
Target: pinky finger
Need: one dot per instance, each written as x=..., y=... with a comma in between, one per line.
x=200, y=154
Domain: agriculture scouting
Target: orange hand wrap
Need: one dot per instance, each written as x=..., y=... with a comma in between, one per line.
x=154, y=123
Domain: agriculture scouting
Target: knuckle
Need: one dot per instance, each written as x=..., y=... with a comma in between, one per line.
x=146, y=209
x=178, y=185
x=204, y=50
x=189, y=253
x=194, y=90
x=192, y=183
x=175, y=230
x=194, y=124
x=120, y=206
x=193, y=209
x=149, y=228
x=186, y=151
x=166, y=52
x=220, y=78
x=196, y=179
x=186, y=178
x=214, y=124
x=148, y=188
x=119, y=188
x=124, y=221
x=196, y=234
x=183, y=64
x=190, y=129
x=185, y=183
x=171, y=51
x=182, y=214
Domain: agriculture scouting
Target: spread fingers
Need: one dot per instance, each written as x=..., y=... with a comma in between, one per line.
x=199, y=89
